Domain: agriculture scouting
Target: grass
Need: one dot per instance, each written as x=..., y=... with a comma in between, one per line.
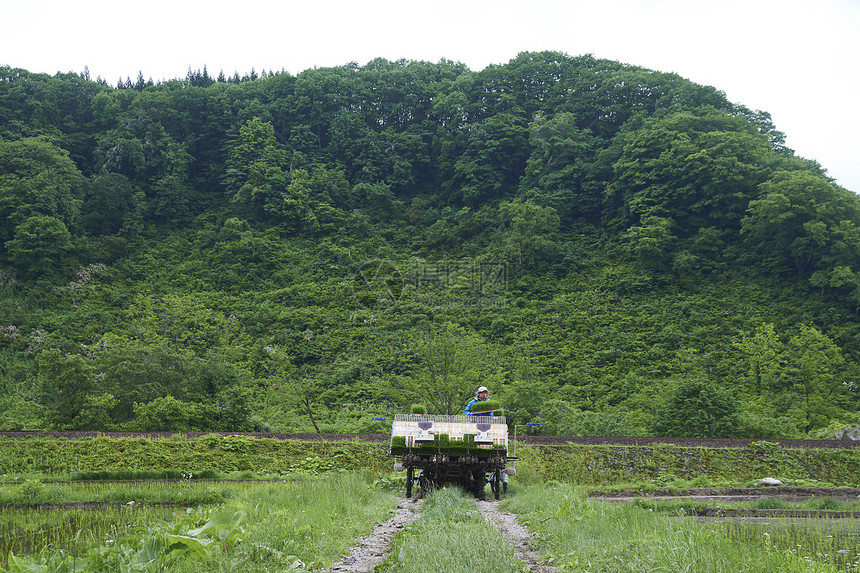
x=273, y=525
x=578, y=535
x=451, y=536
x=313, y=522
x=181, y=492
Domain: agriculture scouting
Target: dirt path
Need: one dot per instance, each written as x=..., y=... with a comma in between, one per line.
x=516, y=534
x=372, y=549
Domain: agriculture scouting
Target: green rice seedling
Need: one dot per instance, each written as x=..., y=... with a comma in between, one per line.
x=824, y=504
x=769, y=503
x=451, y=536
x=592, y=536
x=74, y=531
x=310, y=524
x=486, y=406
x=33, y=492
x=398, y=445
x=670, y=506
x=827, y=542
x=686, y=506
x=157, y=546
x=138, y=475
x=182, y=493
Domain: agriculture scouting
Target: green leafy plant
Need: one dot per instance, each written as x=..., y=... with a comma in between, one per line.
x=764, y=446
x=824, y=504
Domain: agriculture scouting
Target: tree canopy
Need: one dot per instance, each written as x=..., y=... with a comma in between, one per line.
x=610, y=249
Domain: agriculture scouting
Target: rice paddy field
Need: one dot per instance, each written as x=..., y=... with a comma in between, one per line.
x=309, y=524
x=240, y=526
x=103, y=503
x=577, y=534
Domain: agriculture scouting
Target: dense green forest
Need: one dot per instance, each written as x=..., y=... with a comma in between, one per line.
x=612, y=250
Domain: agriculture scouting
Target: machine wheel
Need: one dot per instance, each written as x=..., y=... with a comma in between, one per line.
x=495, y=484
x=410, y=477
x=480, y=480
x=424, y=485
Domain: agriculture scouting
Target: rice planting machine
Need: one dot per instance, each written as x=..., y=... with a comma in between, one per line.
x=467, y=451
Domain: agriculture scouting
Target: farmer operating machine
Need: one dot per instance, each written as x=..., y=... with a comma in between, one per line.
x=468, y=451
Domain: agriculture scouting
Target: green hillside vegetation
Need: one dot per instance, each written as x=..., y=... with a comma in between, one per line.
x=214, y=456
x=611, y=250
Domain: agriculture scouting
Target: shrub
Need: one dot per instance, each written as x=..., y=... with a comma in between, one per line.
x=32, y=492
x=563, y=419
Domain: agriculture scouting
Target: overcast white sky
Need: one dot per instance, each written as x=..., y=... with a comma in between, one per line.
x=796, y=59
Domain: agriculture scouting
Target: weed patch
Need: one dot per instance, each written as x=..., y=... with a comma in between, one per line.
x=450, y=536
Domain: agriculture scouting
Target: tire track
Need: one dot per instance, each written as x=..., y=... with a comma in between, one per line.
x=516, y=535
x=372, y=549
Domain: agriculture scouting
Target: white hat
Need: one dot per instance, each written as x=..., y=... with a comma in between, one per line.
x=482, y=389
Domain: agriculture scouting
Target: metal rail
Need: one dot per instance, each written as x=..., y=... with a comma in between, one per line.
x=444, y=419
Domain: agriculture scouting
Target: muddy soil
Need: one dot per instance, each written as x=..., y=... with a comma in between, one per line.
x=515, y=534
x=372, y=549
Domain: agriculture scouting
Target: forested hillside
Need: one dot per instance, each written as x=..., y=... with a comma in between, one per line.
x=612, y=250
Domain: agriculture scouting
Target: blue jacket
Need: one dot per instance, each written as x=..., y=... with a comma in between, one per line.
x=468, y=410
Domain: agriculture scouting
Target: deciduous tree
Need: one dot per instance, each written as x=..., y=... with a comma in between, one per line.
x=814, y=363
x=697, y=408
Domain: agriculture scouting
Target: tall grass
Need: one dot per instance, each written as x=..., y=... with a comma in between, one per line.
x=315, y=523
x=578, y=535
x=451, y=536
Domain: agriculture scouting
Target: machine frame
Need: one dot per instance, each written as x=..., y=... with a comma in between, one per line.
x=450, y=450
